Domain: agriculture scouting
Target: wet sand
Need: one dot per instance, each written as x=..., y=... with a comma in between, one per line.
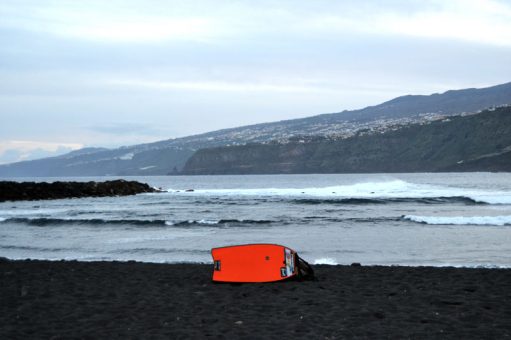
x=131, y=300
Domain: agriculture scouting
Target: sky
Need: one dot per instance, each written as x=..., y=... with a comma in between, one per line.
x=92, y=73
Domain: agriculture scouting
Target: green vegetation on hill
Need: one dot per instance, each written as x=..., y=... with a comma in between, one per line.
x=480, y=142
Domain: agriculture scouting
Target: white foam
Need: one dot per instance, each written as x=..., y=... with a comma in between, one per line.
x=2, y=219
x=206, y=221
x=384, y=189
x=35, y=211
x=492, y=198
x=461, y=220
x=325, y=260
x=359, y=189
x=169, y=223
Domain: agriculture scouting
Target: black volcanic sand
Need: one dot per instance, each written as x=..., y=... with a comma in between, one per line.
x=41, y=299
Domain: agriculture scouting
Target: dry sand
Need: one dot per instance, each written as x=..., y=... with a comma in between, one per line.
x=42, y=299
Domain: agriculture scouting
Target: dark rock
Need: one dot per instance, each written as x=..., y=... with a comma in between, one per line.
x=15, y=191
x=356, y=264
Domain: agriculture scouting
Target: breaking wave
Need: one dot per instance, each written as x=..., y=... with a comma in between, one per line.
x=395, y=191
x=218, y=222
x=353, y=219
x=325, y=260
x=422, y=200
x=35, y=248
x=41, y=222
x=460, y=220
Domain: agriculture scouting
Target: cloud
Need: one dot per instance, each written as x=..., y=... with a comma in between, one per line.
x=217, y=86
x=109, y=22
x=476, y=21
x=121, y=72
x=15, y=151
x=123, y=128
x=146, y=30
x=10, y=156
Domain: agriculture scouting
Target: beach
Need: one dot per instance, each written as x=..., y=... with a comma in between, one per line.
x=71, y=299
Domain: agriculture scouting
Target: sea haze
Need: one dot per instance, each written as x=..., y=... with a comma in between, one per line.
x=448, y=219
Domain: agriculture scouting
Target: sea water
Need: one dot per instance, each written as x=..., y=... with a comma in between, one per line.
x=447, y=219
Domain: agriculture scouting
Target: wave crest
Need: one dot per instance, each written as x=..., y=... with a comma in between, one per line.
x=325, y=260
x=218, y=222
x=389, y=200
x=393, y=191
x=43, y=221
x=460, y=220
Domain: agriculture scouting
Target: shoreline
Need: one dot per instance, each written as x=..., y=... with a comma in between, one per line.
x=210, y=263
x=66, y=299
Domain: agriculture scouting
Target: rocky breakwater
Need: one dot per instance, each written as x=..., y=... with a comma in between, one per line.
x=17, y=191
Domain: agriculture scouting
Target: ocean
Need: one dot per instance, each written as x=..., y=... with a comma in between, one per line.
x=433, y=219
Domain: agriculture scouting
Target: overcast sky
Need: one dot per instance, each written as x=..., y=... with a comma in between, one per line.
x=111, y=73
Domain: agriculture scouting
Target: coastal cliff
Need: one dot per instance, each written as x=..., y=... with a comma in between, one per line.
x=168, y=157
x=478, y=142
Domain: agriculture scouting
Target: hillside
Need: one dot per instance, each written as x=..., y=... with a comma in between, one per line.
x=479, y=142
x=169, y=156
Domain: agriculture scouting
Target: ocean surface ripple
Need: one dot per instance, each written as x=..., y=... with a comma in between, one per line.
x=406, y=219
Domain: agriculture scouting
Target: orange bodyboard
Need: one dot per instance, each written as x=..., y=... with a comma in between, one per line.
x=253, y=263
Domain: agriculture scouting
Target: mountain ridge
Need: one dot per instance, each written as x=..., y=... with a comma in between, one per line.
x=478, y=142
x=169, y=156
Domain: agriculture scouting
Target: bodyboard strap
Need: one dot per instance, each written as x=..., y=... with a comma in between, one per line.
x=305, y=271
